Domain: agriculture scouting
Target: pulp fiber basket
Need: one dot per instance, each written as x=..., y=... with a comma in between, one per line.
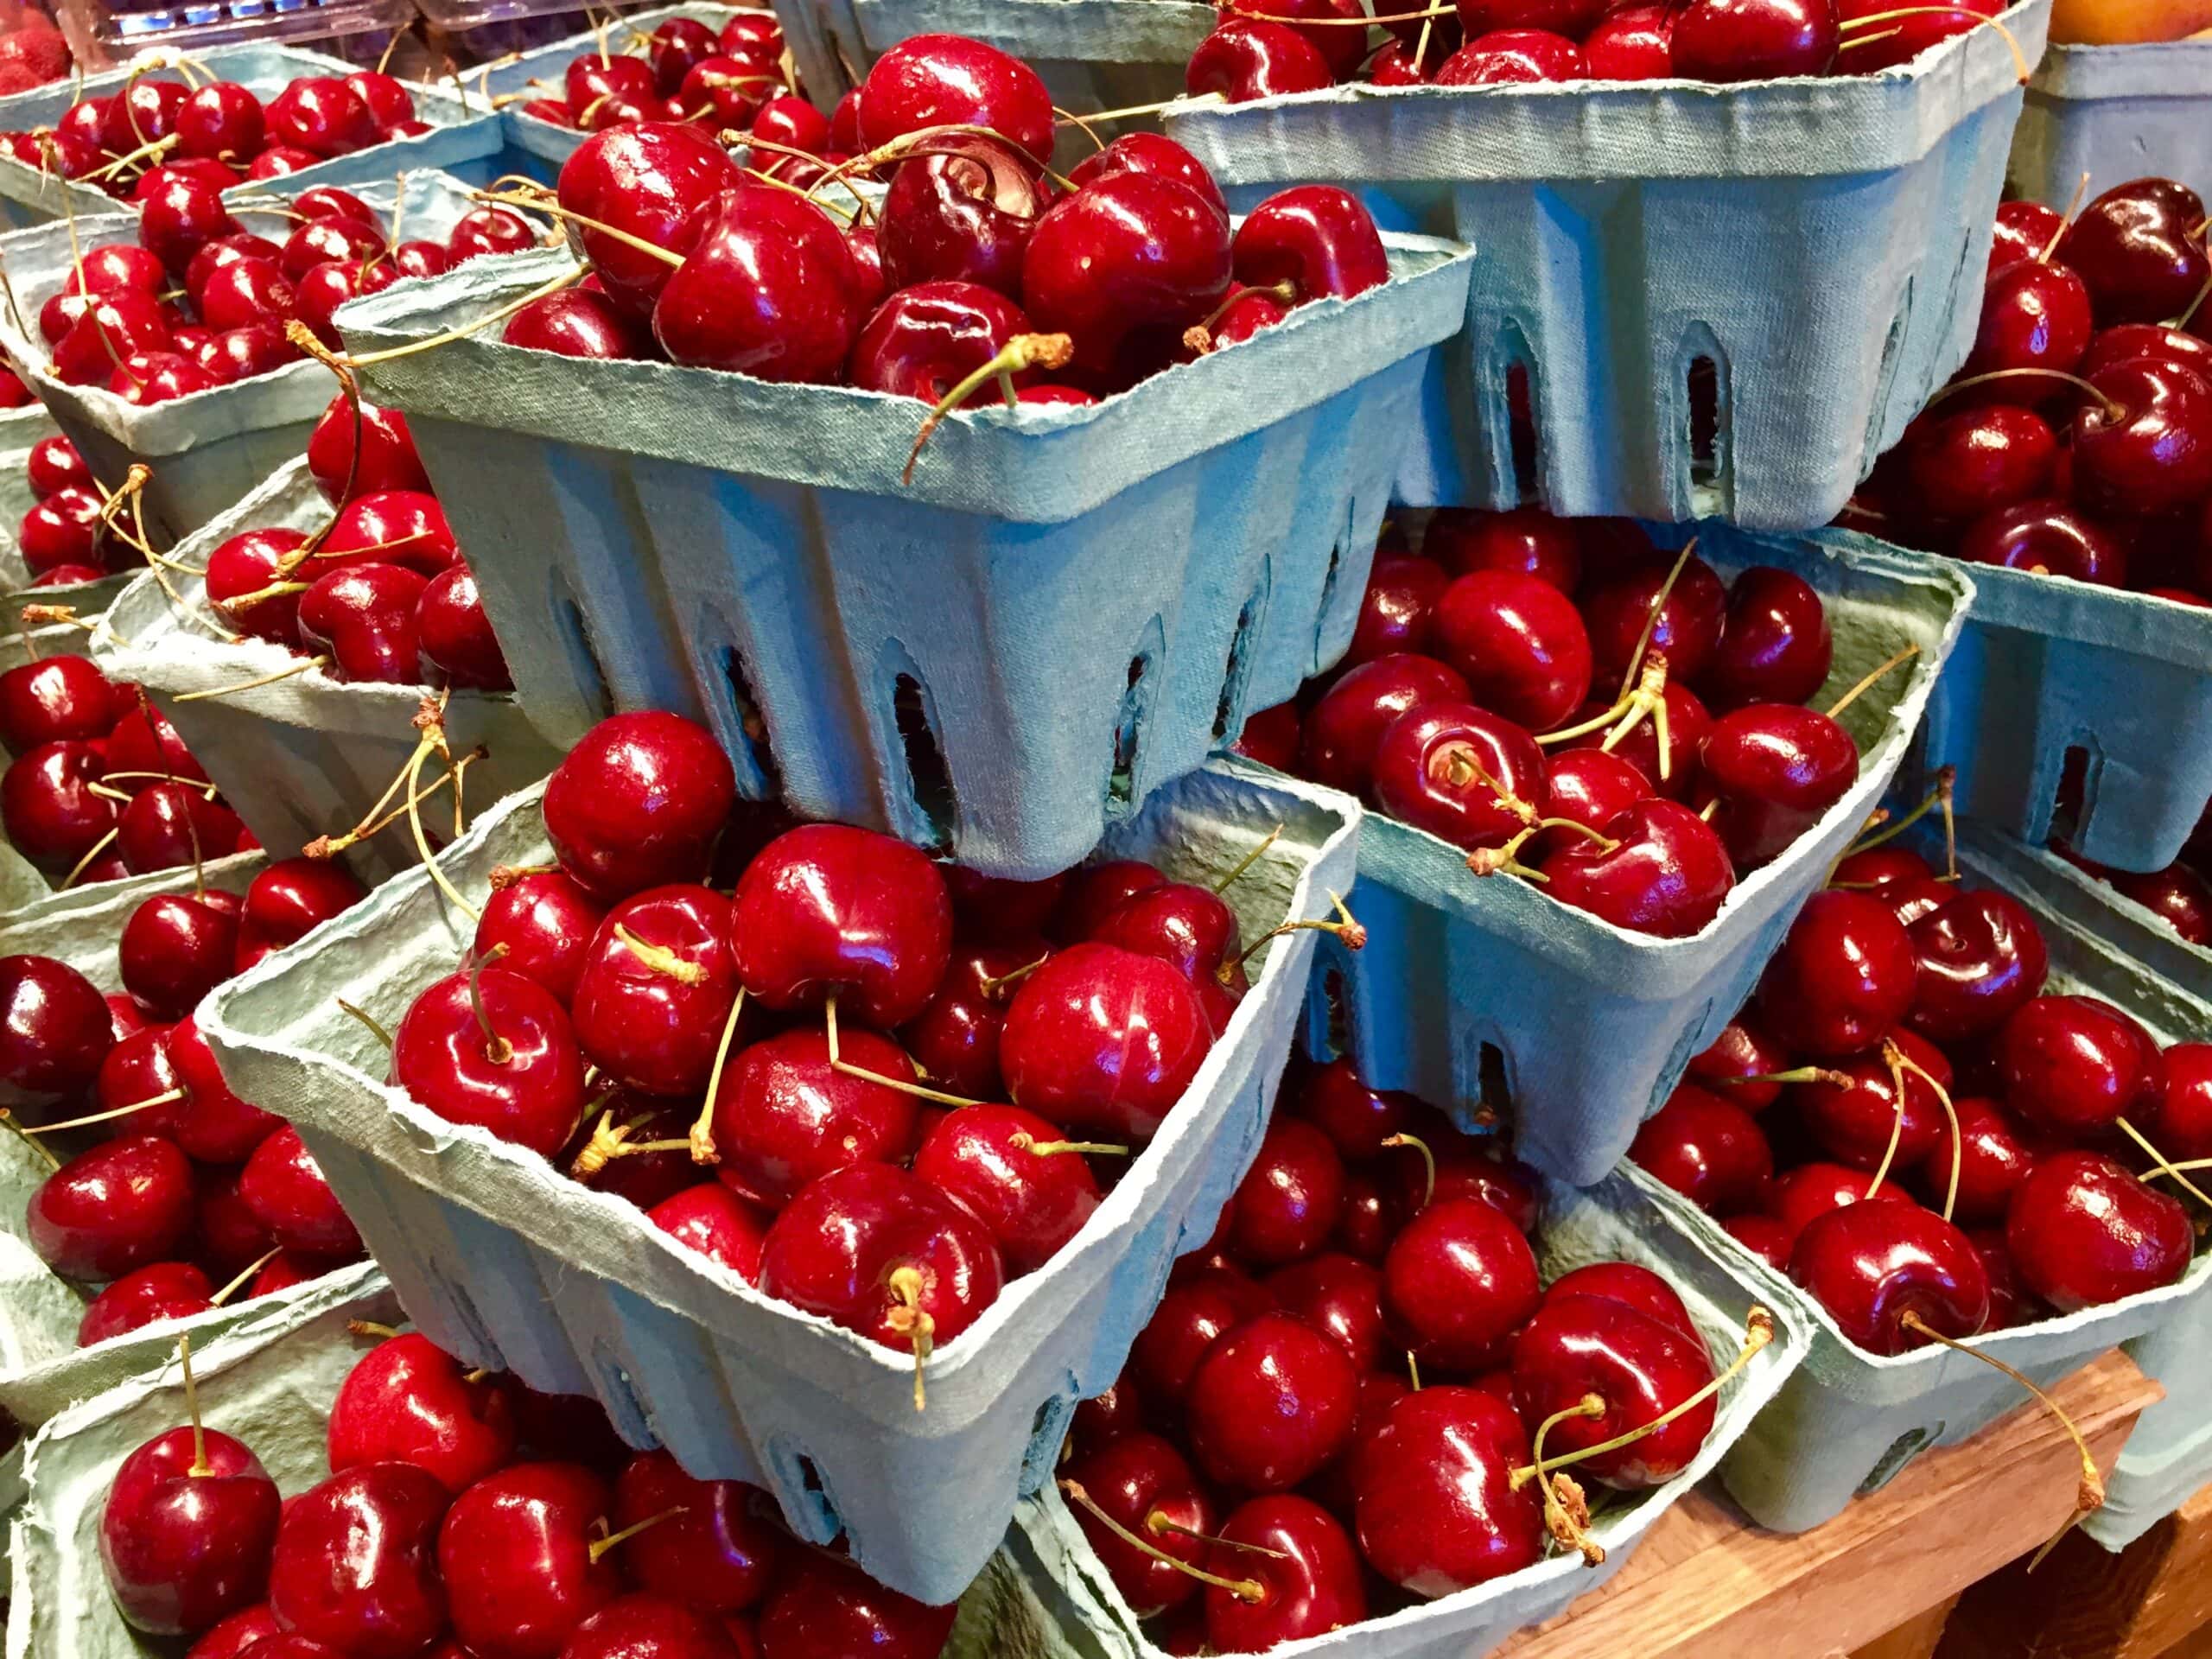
x=1817, y=246
x=307, y=756
x=2169, y=1455
x=508, y=1263
x=2116, y=113
x=209, y=449
x=1594, y=1025
x=464, y=135
x=1848, y=1420
x=1068, y=608
x=2047, y=664
x=1067, y=1607
x=42, y=1368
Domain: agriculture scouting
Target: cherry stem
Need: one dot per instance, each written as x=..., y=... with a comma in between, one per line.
x=86, y=862
x=1345, y=927
x=1936, y=796
x=1800, y=1074
x=1980, y=21
x=1156, y=1523
x=245, y=1276
x=661, y=959
x=254, y=684
x=1250, y=1591
x=2112, y=407
x=1851, y=697
x=911, y=1320
x=112, y=1113
x=1758, y=1331
x=1247, y=860
x=1897, y=1119
x=1455, y=764
x=1899, y=1060
x=1563, y=1526
x=906, y=1086
x=1490, y=860
x=598, y=1547
x=1199, y=337
x=1020, y=352
x=199, y=1464
x=376, y=1030
x=1427, y=1157
x=371, y=1328
x=330, y=846
x=993, y=987
x=24, y=1135
x=2090, y=1496
x=1651, y=617
x=1413, y=1370
x=2066, y=219
x=2164, y=1165
x=2194, y=305
x=1021, y=1141
x=497, y=1049
x=610, y=1140
x=504, y=876
x=702, y=1128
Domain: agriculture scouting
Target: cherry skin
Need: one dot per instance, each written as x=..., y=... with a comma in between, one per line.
x=1270, y=1403
x=714, y=1556
x=53, y=700
x=1524, y=541
x=2083, y=1231
x=955, y=1039
x=2145, y=445
x=1307, y=1570
x=2141, y=248
x=1149, y=152
x=1800, y=1196
x=714, y=1222
x=1775, y=769
x=1340, y=1297
x=62, y=529
x=1844, y=975
x=639, y=803
x=1135, y=1477
x=2176, y=895
x=1435, y=1506
x=783, y=1117
x=546, y=921
x=1128, y=260
x=1996, y=1155
x=1247, y=58
x=523, y=1081
x=1871, y=1264
x=230, y=1637
x=1641, y=1368
x=55, y=1031
x=406, y=527
x=1632, y=43
x=1461, y=772
x=962, y=212
x=2125, y=341
x=287, y=901
x=1459, y=1278
x=1094, y=894
x=54, y=465
x=222, y=119
x=1104, y=1041
x=649, y=1627
x=996, y=909
x=2184, y=1120
x=285, y=1189
x=930, y=80
x=658, y=985
x=657, y=182
x=354, y=1566
x=1521, y=643
x=578, y=323
x=454, y=636
x=1980, y=956
x=1852, y=1122
x=184, y=1550
x=769, y=288
x=883, y=1253
x=408, y=1401
x=1665, y=872
x=2049, y=538
x=1317, y=237
x=1775, y=642
x=2075, y=1065
x=1344, y=729
x=824, y=1605
x=1689, y=624
x=1183, y=1328
x=176, y=948
x=1964, y=462
x=2034, y=316
x=1637, y=1286
x=362, y=618
x=1744, y=1049
x=515, y=1553
x=1356, y=1118
x=1708, y=1147
x=162, y=1290
x=120, y=1206
x=169, y=825
x=1033, y=1202
x=212, y=1125
x=387, y=459
x=47, y=807
x=1396, y=615
x=1286, y=1208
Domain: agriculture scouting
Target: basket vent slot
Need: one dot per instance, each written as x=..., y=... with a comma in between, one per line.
x=929, y=780
x=746, y=718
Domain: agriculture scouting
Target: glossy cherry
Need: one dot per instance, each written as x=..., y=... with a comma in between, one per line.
x=656, y=987
x=2083, y=1230
x=1459, y=1278
x=1286, y=1206
x=161, y=1290
x=2075, y=1065
x=185, y=1542
x=1461, y=772
x=212, y=1125
x=1128, y=262
x=1775, y=769
x=1033, y=1201
x=1980, y=956
x=639, y=802
x=407, y=1401
x=516, y=1551
x=1309, y=1577
x=122, y=1205
x=1708, y=1147
x=287, y=901
x=1660, y=869
x=784, y=1116
x=2141, y=248
x=1872, y=1264
x=768, y=288
x=176, y=948
x=54, y=1032
x=1344, y=729
x=518, y=1074
x=1247, y=58
x=1844, y=975
x=2049, y=539
x=1133, y=1478
x=362, y=618
x=1104, y=1041
x=1640, y=1366
x=1508, y=57
x=47, y=807
x=824, y=1605
x=354, y=1566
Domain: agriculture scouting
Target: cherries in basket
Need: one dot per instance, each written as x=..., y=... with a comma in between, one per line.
x=216, y=131
x=1362, y=1393
x=982, y=278
x=467, y=1513
x=66, y=538
x=684, y=71
x=1262, y=49
x=1577, y=709
x=873, y=1087
x=2077, y=440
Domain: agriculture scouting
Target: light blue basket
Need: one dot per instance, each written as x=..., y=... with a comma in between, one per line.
x=464, y=136
x=2116, y=113
x=2048, y=664
x=1592, y=1024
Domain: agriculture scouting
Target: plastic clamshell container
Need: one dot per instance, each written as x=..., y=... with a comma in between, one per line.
x=307, y=755
x=1067, y=1606
x=506, y=1262
x=462, y=132
x=537, y=147
x=1594, y=1023
x=1093, y=54
x=1821, y=243
x=209, y=449
x=2116, y=113
x=2169, y=1455
x=1069, y=607
x=1848, y=1420
x=42, y=1368
x=2048, y=664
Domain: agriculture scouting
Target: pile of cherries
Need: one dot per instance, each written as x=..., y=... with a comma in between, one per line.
x=467, y=1514
x=684, y=71
x=380, y=592
x=1334, y=1412
x=1478, y=702
x=976, y=275
x=63, y=538
x=219, y=133
x=1265, y=47
x=101, y=786
x=188, y=1185
x=1819, y=1126
x=117, y=320
x=2077, y=440
x=767, y=1074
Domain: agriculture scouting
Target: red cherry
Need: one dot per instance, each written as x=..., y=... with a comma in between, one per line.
x=783, y=1117
x=658, y=182
x=2049, y=538
x=1996, y=1155
x=1340, y=1297
x=2145, y=444
x=714, y=1556
x=1356, y=1118
x=2075, y=1065
x=2176, y=895
x=545, y=921
x=353, y=1568
x=286, y=1190
x=1709, y=1149
x=54, y=465
x=1980, y=956
x=522, y=1079
x=47, y=807
x=321, y=115
x=1149, y=152
x=2140, y=247
x=1852, y=1121
x=1665, y=872
x=408, y=1401
x=1133, y=1478
x=1844, y=977
x=1520, y=643
x=1396, y=615
x=108, y=1211
x=1743, y=1050
x=362, y=618
x=54, y=699
x=658, y=985
x=2034, y=316
x=930, y=80
x=1689, y=624
x=1775, y=769
x=1632, y=43
x=1460, y=773
x=1639, y=1287
x=1799, y=1196
x=1127, y=261
x=962, y=212
x=1640, y=1367
x=1317, y=237
x=1286, y=1208
x=2182, y=1123
x=1344, y=729
x=488, y=230
x=768, y=288
x=176, y=948
x=639, y=803
x=230, y=1637
x=1307, y=1571
x=1435, y=1502
x=520, y=1556
x=1095, y=893
x=1869, y=1265
x=56, y=1031
x=1103, y=1041
x=1033, y=1202
x=577, y=323
x=2083, y=1231
x=185, y=1543
x=1247, y=58
x=213, y=1126
x=167, y=826
x=162, y=1290
x=222, y=119
x=1755, y=40
x=287, y=901
x=1270, y=1403
x=1457, y=1280
x=1184, y=1327
x=648, y=1627
x=827, y=1606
